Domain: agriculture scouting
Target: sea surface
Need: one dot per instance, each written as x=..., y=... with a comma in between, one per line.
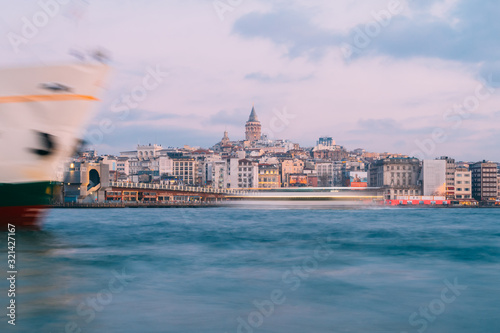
x=251, y=270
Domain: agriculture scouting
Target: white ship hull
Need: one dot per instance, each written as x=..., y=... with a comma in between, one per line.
x=42, y=113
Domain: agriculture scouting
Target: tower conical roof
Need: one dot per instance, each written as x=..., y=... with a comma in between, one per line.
x=253, y=115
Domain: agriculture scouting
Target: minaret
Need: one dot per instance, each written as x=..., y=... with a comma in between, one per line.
x=253, y=127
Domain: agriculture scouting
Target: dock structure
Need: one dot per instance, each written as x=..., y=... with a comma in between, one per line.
x=153, y=193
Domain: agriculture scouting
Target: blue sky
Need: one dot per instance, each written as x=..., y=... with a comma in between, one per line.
x=422, y=80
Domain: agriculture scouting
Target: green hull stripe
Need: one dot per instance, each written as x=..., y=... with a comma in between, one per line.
x=26, y=194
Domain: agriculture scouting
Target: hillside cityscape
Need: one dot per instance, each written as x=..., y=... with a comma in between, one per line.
x=264, y=164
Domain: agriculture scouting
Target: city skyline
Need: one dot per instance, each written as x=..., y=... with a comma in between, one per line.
x=253, y=117
x=371, y=80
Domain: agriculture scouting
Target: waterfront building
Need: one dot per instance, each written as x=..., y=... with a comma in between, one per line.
x=239, y=173
x=219, y=179
x=248, y=174
x=396, y=177
x=269, y=176
x=450, y=176
x=484, y=181
x=434, y=178
x=498, y=195
x=291, y=166
x=253, y=127
x=325, y=172
x=463, y=183
x=185, y=169
x=348, y=168
x=312, y=180
x=83, y=180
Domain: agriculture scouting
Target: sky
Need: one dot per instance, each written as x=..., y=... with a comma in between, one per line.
x=415, y=77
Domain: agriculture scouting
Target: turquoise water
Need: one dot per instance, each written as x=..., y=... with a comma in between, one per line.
x=243, y=270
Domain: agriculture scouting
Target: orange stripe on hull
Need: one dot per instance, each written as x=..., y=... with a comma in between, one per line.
x=45, y=98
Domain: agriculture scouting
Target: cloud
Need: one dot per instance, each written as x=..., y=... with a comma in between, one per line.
x=292, y=29
x=280, y=78
x=472, y=37
x=235, y=117
x=264, y=78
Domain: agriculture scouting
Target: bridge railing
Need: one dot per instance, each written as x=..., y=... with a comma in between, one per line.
x=177, y=188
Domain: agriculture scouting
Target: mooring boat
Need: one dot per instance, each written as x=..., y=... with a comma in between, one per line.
x=42, y=113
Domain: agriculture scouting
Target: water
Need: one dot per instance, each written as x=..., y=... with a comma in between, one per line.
x=210, y=270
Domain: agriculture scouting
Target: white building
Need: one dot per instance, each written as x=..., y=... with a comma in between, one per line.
x=143, y=152
x=248, y=174
x=434, y=177
x=219, y=174
x=165, y=165
x=149, y=151
x=235, y=173
x=122, y=165
x=396, y=176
